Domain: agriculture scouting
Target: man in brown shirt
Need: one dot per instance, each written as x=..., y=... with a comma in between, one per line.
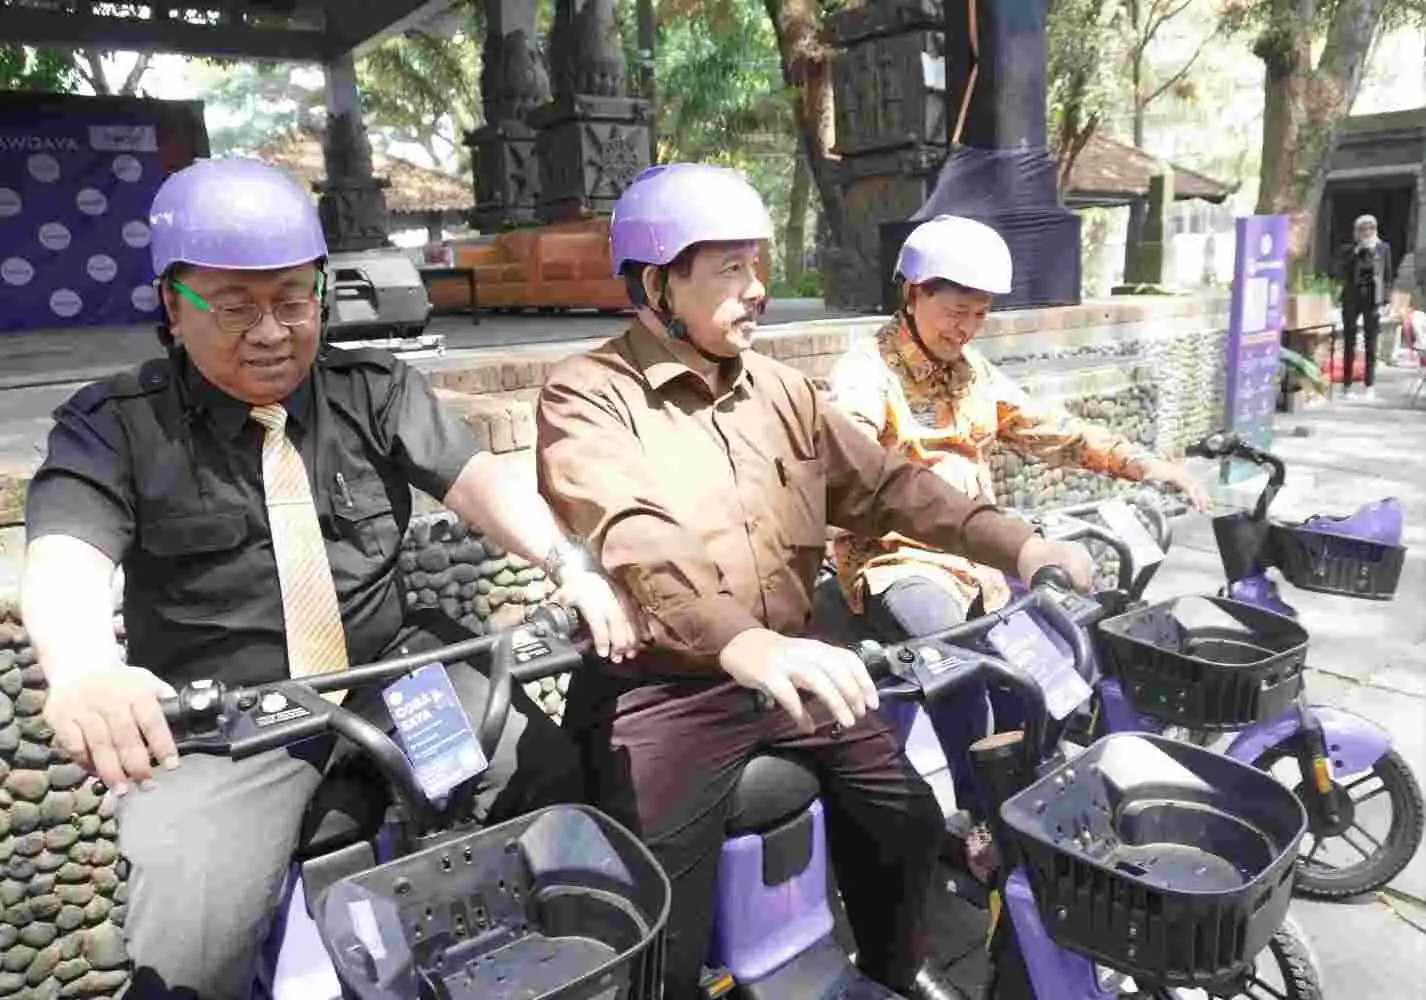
x=704, y=477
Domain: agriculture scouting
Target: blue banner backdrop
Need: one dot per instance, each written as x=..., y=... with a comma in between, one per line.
x=75, y=191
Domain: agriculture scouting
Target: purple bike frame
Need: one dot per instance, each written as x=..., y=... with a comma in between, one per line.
x=1260, y=592
x=1354, y=744
x=1054, y=972
x=757, y=928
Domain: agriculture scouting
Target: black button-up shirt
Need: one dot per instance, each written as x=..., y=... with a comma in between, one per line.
x=162, y=472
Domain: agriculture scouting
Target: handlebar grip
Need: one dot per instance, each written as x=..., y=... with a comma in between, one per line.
x=564, y=621
x=1216, y=445
x=1051, y=576
x=1074, y=636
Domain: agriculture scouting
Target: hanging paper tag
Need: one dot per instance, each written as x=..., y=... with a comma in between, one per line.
x=1119, y=519
x=1021, y=642
x=434, y=730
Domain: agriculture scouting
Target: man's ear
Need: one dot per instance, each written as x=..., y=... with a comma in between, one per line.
x=654, y=281
x=170, y=307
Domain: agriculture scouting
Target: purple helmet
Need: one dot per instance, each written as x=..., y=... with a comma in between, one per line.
x=670, y=207
x=235, y=213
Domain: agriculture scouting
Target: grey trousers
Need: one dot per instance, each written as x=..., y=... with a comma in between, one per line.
x=209, y=845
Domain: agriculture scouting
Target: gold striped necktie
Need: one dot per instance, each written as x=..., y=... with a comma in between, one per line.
x=316, y=642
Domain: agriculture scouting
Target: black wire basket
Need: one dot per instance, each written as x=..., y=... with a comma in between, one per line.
x=1205, y=662
x=1163, y=860
x=561, y=904
x=1336, y=564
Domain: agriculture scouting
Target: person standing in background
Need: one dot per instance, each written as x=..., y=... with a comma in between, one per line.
x=1365, y=271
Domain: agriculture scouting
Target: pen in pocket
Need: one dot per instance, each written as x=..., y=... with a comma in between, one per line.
x=342, y=491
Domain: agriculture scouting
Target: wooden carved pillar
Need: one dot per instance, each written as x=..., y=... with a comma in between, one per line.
x=889, y=90
x=593, y=138
x=513, y=82
x=351, y=202
x=999, y=170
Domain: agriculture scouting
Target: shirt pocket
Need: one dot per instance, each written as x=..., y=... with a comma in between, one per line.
x=194, y=565
x=365, y=517
x=204, y=533
x=802, y=510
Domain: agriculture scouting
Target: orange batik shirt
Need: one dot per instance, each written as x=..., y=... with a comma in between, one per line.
x=947, y=416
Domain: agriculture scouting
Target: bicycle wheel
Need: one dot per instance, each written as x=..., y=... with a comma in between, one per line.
x=1346, y=858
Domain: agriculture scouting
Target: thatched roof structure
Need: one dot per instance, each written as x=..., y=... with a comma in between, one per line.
x=413, y=189
x=1112, y=173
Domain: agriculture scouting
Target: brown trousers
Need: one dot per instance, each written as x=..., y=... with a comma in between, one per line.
x=663, y=758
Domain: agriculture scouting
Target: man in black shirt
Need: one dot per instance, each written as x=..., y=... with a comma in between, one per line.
x=255, y=487
x=1365, y=270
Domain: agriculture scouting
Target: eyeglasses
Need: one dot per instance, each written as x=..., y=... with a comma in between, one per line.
x=242, y=318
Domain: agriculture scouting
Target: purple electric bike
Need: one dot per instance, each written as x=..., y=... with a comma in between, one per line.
x=1142, y=868
x=1135, y=867
x=394, y=896
x=1206, y=667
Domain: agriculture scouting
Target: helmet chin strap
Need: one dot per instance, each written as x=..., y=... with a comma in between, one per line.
x=676, y=328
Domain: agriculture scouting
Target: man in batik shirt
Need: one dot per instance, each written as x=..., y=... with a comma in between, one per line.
x=920, y=389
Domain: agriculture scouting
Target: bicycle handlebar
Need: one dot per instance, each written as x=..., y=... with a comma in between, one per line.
x=1133, y=580
x=1225, y=444
x=206, y=717
x=937, y=665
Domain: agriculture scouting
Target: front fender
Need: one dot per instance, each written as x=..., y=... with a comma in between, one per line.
x=1354, y=744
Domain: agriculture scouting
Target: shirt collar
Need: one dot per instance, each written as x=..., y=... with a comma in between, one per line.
x=918, y=363
x=228, y=415
x=657, y=362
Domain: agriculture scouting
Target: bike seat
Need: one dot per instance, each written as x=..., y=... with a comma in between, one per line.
x=348, y=806
x=771, y=790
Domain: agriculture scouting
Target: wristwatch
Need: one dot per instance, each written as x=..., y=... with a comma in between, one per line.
x=567, y=557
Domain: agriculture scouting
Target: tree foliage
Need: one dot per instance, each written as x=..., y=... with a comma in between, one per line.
x=1314, y=54
x=426, y=90
x=1081, y=76
x=251, y=101
x=59, y=71
x=47, y=70
x=1101, y=56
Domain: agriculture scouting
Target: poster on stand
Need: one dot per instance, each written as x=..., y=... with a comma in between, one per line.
x=1255, y=323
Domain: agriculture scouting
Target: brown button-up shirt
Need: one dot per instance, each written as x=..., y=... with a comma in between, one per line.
x=712, y=510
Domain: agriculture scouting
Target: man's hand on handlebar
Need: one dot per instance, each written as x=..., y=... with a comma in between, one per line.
x=1072, y=557
x=1176, y=475
x=607, y=612
x=109, y=721
x=782, y=667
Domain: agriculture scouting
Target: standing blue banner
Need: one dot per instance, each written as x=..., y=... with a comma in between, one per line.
x=75, y=191
x=1255, y=327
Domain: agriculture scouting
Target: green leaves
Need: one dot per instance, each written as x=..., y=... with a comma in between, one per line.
x=1292, y=362
x=42, y=69
x=410, y=84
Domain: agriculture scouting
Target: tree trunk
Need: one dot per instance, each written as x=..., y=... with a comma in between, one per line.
x=1304, y=106
x=1138, y=207
x=91, y=67
x=807, y=67
x=795, y=244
